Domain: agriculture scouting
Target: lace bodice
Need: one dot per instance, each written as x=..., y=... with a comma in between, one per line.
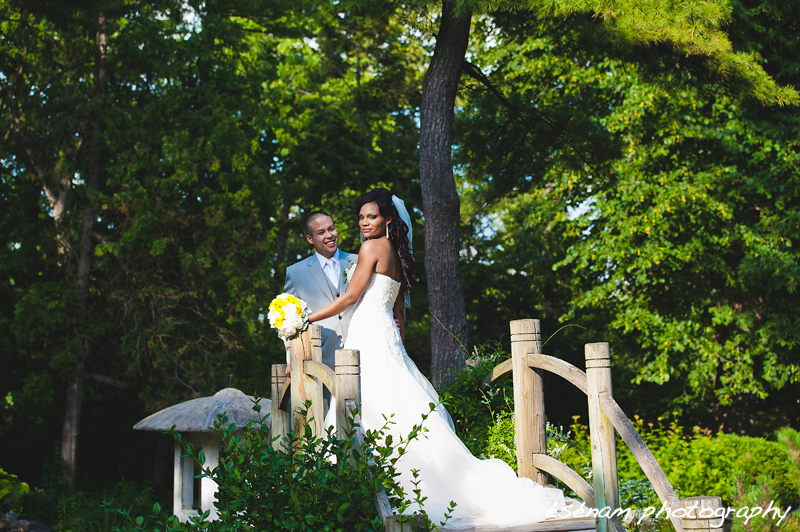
x=380, y=293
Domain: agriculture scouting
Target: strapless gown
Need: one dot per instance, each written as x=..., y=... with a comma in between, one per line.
x=485, y=491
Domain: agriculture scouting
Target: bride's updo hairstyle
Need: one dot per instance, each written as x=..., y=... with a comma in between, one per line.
x=396, y=231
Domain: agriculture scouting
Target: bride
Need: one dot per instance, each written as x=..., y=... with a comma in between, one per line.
x=486, y=492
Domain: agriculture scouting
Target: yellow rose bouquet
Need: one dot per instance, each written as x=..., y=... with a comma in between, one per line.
x=289, y=315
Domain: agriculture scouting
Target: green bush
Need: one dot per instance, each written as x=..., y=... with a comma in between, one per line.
x=761, y=491
x=308, y=484
x=705, y=464
x=11, y=491
x=83, y=511
x=744, y=471
x=474, y=410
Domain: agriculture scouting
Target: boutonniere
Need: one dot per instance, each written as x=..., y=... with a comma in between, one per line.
x=348, y=273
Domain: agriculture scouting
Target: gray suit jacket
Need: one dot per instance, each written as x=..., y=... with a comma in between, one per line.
x=307, y=281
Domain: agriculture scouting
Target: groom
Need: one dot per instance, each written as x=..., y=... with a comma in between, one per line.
x=320, y=279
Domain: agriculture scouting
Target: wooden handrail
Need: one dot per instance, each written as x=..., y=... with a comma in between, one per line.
x=285, y=394
x=562, y=368
x=552, y=364
x=321, y=372
x=605, y=407
x=568, y=476
x=312, y=375
x=643, y=455
x=498, y=371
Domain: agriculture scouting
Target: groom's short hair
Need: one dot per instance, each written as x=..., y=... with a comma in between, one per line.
x=307, y=221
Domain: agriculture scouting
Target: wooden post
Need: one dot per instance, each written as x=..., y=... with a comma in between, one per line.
x=414, y=524
x=703, y=514
x=280, y=418
x=348, y=387
x=313, y=349
x=604, y=451
x=300, y=350
x=528, y=399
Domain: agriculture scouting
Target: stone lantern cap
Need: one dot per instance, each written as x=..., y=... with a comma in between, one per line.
x=199, y=415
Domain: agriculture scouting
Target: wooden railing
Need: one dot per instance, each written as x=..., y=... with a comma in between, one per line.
x=309, y=378
x=527, y=364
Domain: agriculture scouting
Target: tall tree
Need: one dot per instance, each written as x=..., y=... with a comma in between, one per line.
x=219, y=124
x=689, y=29
x=113, y=112
x=37, y=92
x=440, y=199
x=672, y=242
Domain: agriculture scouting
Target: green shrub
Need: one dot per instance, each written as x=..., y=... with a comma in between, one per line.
x=83, y=511
x=704, y=464
x=696, y=463
x=11, y=491
x=763, y=490
x=474, y=410
x=308, y=484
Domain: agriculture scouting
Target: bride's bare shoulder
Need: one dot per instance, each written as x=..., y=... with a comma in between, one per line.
x=378, y=246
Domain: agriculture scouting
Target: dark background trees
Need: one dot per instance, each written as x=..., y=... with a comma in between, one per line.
x=157, y=158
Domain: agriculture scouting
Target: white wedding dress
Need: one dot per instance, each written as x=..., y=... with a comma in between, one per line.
x=486, y=492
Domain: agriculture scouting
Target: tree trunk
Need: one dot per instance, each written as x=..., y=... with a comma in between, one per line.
x=75, y=385
x=441, y=205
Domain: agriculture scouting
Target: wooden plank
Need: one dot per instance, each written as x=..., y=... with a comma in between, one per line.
x=529, y=417
x=562, y=368
x=562, y=525
x=643, y=455
x=285, y=393
x=499, y=370
x=322, y=373
x=698, y=508
x=414, y=523
x=566, y=475
x=348, y=387
x=382, y=504
x=604, y=452
x=313, y=387
x=279, y=424
x=298, y=389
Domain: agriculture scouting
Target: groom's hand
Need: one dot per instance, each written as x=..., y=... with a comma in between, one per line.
x=288, y=371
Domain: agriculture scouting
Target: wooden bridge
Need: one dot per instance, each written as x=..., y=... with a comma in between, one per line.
x=527, y=364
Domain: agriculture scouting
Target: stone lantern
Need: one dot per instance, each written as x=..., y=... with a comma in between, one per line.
x=195, y=420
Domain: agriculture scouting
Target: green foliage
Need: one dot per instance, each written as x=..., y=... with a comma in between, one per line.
x=661, y=217
x=11, y=491
x=790, y=440
x=83, y=511
x=472, y=408
x=698, y=464
x=309, y=483
x=763, y=490
x=221, y=123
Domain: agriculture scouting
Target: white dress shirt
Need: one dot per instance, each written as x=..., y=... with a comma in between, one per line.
x=331, y=267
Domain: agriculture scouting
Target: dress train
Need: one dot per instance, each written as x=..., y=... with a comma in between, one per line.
x=486, y=492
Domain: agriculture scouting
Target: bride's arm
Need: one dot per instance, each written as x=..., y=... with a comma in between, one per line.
x=367, y=260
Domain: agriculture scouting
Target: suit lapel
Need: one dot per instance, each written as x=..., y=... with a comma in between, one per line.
x=319, y=276
x=343, y=265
